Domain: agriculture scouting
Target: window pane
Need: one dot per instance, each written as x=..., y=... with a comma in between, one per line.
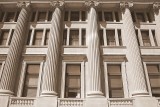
x=83, y=15
x=153, y=68
x=110, y=37
x=41, y=16
x=47, y=37
x=74, y=37
x=117, y=16
x=10, y=17
x=1, y=16
x=140, y=17
x=83, y=37
x=4, y=37
x=120, y=38
x=65, y=37
x=145, y=38
x=33, y=16
x=108, y=16
x=38, y=37
x=100, y=16
x=50, y=15
x=73, y=81
x=101, y=37
x=74, y=15
x=155, y=41
x=30, y=92
x=66, y=16
x=33, y=69
x=149, y=17
x=116, y=93
x=29, y=37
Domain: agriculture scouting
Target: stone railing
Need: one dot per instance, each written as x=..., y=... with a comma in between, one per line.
x=120, y=102
x=21, y=102
x=66, y=102
x=158, y=102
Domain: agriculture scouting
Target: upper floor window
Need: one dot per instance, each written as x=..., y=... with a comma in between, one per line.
x=31, y=80
x=73, y=81
x=9, y=16
x=110, y=37
x=115, y=81
x=154, y=77
x=41, y=16
x=146, y=37
x=112, y=16
x=143, y=17
x=38, y=37
x=75, y=16
x=6, y=36
x=74, y=37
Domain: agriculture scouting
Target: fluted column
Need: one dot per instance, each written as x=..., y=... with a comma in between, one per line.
x=156, y=9
x=15, y=50
x=93, y=53
x=136, y=77
x=49, y=84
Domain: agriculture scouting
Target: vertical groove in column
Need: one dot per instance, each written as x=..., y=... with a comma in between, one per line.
x=94, y=56
x=157, y=19
x=136, y=72
x=52, y=60
x=14, y=54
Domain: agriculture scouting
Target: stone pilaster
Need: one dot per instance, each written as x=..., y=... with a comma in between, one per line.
x=156, y=9
x=135, y=73
x=93, y=53
x=52, y=59
x=15, y=50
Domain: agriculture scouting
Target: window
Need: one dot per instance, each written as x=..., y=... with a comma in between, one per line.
x=1, y=16
x=154, y=38
x=101, y=37
x=41, y=16
x=145, y=38
x=140, y=17
x=38, y=37
x=115, y=81
x=47, y=37
x=110, y=34
x=74, y=37
x=75, y=16
x=4, y=37
x=109, y=16
x=73, y=81
x=120, y=37
x=31, y=80
x=10, y=17
x=154, y=77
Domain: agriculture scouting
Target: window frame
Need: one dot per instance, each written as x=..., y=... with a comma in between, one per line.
x=82, y=88
x=23, y=76
x=123, y=77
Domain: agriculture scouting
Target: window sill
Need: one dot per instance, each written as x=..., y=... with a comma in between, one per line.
x=149, y=47
x=113, y=47
x=74, y=46
x=144, y=23
x=109, y=22
x=37, y=46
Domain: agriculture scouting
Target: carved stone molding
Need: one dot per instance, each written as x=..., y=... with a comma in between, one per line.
x=156, y=5
x=124, y=5
x=55, y=4
x=92, y=3
x=22, y=4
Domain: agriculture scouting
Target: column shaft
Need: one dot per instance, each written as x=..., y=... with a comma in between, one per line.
x=52, y=59
x=94, y=56
x=14, y=54
x=135, y=72
x=157, y=19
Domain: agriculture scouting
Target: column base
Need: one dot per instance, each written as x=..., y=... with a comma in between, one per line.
x=48, y=93
x=6, y=92
x=93, y=94
x=140, y=93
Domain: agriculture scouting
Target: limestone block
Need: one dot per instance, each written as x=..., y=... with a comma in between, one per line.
x=46, y=102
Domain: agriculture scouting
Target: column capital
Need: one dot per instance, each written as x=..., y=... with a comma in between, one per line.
x=22, y=4
x=56, y=4
x=156, y=5
x=125, y=4
x=92, y=3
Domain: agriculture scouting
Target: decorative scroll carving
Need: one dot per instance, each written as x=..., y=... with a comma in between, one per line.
x=92, y=3
x=126, y=5
x=23, y=4
x=57, y=3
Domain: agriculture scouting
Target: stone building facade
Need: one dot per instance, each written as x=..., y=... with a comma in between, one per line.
x=80, y=53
